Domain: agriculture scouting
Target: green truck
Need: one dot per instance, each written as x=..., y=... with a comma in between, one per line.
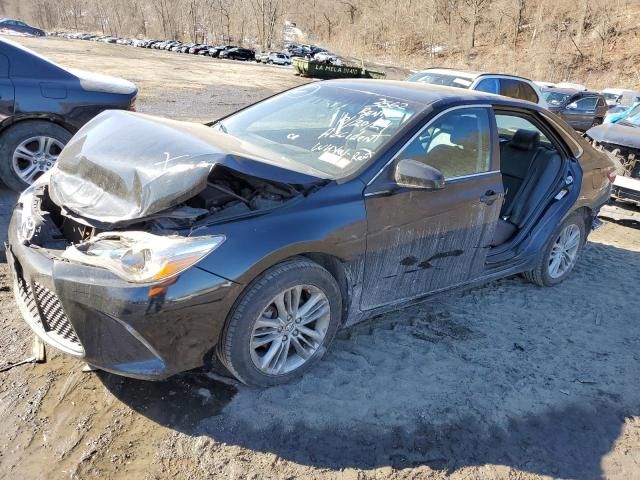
x=310, y=68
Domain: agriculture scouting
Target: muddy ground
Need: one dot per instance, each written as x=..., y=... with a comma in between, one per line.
x=504, y=381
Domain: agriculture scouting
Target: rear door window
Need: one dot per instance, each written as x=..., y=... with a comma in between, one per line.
x=509, y=87
x=508, y=125
x=527, y=92
x=587, y=103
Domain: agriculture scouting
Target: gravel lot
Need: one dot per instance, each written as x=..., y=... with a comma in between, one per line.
x=505, y=381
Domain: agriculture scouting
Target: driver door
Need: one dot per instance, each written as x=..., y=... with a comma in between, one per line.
x=421, y=241
x=583, y=114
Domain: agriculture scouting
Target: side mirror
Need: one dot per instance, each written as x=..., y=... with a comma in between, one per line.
x=414, y=174
x=572, y=106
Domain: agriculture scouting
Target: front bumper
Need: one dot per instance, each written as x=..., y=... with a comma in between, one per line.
x=627, y=188
x=139, y=331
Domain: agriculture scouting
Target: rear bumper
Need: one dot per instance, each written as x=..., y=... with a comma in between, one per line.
x=139, y=331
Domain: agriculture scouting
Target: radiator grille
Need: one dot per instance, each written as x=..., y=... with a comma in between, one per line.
x=46, y=310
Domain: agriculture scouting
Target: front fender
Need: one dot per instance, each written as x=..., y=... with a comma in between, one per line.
x=331, y=221
x=52, y=117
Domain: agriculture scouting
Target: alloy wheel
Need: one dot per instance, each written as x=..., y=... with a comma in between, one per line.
x=34, y=156
x=290, y=330
x=564, y=251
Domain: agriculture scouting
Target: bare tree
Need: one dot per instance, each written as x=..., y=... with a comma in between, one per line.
x=352, y=10
x=606, y=26
x=519, y=6
x=164, y=11
x=330, y=25
x=475, y=7
x=267, y=14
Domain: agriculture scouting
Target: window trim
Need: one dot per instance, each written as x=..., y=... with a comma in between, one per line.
x=428, y=124
x=564, y=135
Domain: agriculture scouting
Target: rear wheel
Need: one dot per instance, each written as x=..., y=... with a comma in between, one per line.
x=28, y=149
x=561, y=253
x=282, y=324
x=596, y=122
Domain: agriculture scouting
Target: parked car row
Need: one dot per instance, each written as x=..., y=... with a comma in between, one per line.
x=231, y=52
x=312, y=52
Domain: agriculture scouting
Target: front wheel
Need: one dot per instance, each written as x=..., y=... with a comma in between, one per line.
x=561, y=253
x=282, y=324
x=28, y=149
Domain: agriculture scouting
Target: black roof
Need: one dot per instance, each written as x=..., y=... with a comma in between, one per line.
x=571, y=91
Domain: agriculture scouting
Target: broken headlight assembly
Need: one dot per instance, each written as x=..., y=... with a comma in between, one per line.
x=141, y=257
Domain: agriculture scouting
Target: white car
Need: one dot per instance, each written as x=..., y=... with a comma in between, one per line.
x=620, y=96
x=498, y=83
x=326, y=57
x=279, y=59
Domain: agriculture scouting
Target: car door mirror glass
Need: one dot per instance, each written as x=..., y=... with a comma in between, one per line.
x=414, y=174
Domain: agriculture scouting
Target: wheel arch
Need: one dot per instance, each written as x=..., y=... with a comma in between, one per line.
x=587, y=215
x=51, y=117
x=339, y=272
x=332, y=263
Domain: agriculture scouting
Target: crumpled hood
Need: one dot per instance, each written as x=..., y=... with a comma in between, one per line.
x=617, y=134
x=124, y=166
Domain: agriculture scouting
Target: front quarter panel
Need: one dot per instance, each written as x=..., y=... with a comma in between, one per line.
x=330, y=221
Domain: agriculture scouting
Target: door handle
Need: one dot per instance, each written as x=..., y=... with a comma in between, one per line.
x=489, y=197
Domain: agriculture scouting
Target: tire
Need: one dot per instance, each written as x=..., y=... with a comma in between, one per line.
x=542, y=275
x=596, y=122
x=15, y=136
x=236, y=349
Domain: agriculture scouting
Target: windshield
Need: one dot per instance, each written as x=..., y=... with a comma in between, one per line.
x=610, y=96
x=556, y=98
x=633, y=117
x=441, y=79
x=331, y=130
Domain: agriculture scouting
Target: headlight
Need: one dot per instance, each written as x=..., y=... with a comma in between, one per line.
x=142, y=257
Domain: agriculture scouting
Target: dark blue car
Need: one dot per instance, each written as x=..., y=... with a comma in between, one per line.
x=42, y=105
x=20, y=27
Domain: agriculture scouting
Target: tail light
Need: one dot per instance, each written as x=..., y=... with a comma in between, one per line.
x=611, y=175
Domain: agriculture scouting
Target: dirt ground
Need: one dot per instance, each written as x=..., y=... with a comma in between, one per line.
x=505, y=381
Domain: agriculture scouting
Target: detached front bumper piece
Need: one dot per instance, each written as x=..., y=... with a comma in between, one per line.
x=627, y=188
x=140, y=331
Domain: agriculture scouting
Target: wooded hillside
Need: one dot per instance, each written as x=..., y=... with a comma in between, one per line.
x=595, y=42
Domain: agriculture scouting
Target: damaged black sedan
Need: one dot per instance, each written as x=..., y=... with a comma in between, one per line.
x=155, y=244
